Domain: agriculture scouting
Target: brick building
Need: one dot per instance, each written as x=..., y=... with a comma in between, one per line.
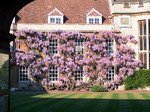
x=86, y=16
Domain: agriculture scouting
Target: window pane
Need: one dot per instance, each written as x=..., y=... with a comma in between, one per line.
x=140, y=27
x=109, y=47
x=91, y=21
x=141, y=44
x=145, y=48
x=96, y=20
x=53, y=73
x=110, y=73
x=79, y=74
x=53, y=46
x=23, y=74
x=58, y=20
x=145, y=60
x=141, y=57
x=144, y=22
x=125, y=21
x=79, y=46
x=52, y=20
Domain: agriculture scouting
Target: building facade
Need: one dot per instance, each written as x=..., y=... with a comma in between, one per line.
x=133, y=17
x=86, y=16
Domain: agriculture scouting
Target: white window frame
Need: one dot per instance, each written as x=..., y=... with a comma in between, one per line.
x=123, y=25
x=94, y=17
x=110, y=76
x=110, y=51
x=55, y=17
x=79, y=46
x=78, y=74
x=49, y=78
x=52, y=52
x=145, y=52
x=27, y=73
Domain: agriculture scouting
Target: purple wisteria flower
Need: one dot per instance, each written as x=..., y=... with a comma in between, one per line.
x=95, y=61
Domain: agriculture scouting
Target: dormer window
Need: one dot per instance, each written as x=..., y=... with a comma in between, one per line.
x=55, y=17
x=94, y=17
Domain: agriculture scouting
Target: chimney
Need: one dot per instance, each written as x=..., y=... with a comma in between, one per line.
x=126, y=3
x=140, y=3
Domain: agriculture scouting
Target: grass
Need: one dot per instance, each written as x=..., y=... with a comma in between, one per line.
x=81, y=102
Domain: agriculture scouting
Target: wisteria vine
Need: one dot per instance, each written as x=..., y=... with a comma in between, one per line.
x=96, y=59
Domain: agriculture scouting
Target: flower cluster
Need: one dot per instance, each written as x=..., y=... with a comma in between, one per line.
x=96, y=59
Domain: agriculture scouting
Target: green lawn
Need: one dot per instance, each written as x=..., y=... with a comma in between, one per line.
x=81, y=102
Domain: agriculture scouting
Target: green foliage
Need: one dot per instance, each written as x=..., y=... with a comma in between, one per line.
x=98, y=89
x=4, y=75
x=140, y=79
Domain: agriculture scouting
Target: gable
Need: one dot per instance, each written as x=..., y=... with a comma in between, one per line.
x=55, y=12
x=94, y=12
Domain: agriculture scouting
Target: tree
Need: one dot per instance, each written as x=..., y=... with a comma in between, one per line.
x=4, y=74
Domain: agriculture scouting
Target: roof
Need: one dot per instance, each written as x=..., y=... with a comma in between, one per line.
x=74, y=11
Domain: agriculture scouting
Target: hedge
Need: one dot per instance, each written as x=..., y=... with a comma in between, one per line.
x=98, y=89
x=140, y=79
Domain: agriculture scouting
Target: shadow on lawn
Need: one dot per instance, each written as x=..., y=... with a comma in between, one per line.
x=80, y=105
x=3, y=103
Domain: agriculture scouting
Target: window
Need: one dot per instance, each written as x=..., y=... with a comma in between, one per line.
x=52, y=20
x=55, y=17
x=94, y=20
x=53, y=46
x=97, y=20
x=124, y=21
x=143, y=58
x=23, y=74
x=79, y=74
x=110, y=48
x=79, y=46
x=55, y=20
x=91, y=20
x=144, y=44
x=94, y=17
x=110, y=74
x=53, y=73
x=142, y=35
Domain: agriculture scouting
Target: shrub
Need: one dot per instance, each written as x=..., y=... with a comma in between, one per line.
x=4, y=71
x=140, y=79
x=98, y=89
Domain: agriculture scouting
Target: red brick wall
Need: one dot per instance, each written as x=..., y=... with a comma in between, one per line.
x=14, y=77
